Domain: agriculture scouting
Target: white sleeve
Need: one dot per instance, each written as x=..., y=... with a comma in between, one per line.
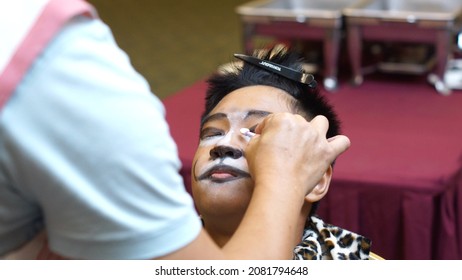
x=90, y=146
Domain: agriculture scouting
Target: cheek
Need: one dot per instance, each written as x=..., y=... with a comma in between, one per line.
x=227, y=139
x=208, y=142
x=200, y=159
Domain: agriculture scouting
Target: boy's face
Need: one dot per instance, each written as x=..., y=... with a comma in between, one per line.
x=221, y=184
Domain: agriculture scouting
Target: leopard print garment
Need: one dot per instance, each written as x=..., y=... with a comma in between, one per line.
x=322, y=241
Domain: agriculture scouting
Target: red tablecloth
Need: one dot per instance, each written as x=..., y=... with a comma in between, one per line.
x=400, y=182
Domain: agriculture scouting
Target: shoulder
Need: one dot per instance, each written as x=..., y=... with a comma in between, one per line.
x=332, y=242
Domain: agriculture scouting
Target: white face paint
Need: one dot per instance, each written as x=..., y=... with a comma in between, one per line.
x=247, y=132
x=222, y=129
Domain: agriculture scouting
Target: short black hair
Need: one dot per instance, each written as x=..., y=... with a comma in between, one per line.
x=309, y=101
x=233, y=76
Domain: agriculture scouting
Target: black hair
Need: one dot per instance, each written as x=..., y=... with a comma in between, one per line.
x=309, y=102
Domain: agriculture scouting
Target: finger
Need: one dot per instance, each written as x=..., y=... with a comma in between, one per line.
x=339, y=144
x=273, y=120
x=261, y=125
x=332, y=138
x=321, y=123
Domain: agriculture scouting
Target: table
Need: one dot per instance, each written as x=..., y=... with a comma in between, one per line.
x=433, y=22
x=315, y=20
x=400, y=183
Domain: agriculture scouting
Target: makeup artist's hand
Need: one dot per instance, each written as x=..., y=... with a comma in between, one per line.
x=290, y=151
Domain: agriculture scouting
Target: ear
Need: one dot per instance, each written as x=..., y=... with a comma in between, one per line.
x=320, y=190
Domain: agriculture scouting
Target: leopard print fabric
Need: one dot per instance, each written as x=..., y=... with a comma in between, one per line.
x=322, y=241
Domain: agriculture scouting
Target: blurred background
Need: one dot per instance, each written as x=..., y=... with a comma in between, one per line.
x=174, y=43
x=400, y=183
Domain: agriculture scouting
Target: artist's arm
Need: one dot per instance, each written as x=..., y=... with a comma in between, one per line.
x=287, y=154
x=117, y=192
x=287, y=146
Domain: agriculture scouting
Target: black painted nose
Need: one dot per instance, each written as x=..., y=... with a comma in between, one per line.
x=225, y=151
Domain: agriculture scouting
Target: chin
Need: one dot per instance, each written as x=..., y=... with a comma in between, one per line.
x=222, y=200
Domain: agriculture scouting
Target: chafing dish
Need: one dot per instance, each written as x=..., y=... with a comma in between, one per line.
x=412, y=11
x=319, y=20
x=431, y=22
x=295, y=10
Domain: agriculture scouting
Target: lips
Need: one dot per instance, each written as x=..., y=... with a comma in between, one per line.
x=223, y=173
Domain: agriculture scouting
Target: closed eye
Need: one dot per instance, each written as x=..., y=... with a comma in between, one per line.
x=210, y=132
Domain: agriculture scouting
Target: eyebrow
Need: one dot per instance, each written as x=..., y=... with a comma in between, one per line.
x=213, y=117
x=258, y=113
x=219, y=116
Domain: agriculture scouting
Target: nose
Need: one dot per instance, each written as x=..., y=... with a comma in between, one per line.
x=225, y=151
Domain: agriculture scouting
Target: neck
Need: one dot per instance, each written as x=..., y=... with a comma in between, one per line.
x=222, y=234
x=219, y=235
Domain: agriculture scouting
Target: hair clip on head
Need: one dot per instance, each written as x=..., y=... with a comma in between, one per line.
x=282, y=70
